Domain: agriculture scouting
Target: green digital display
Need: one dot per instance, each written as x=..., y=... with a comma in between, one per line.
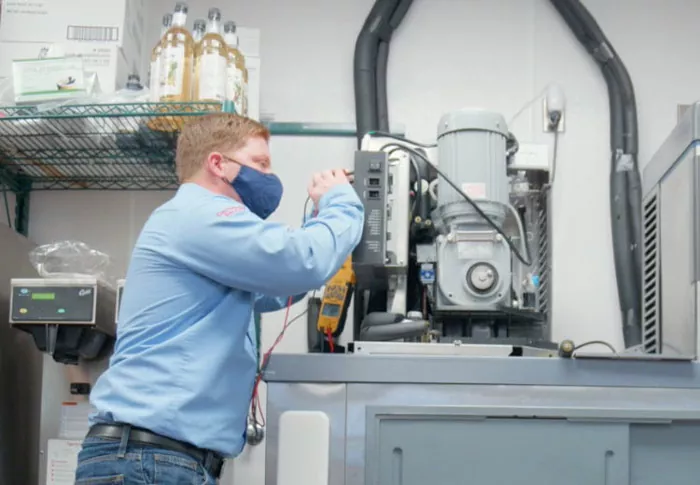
x=43, y=296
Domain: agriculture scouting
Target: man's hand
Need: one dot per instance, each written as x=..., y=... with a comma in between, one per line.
x=322, y=182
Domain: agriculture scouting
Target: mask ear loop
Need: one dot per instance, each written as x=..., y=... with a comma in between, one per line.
x=230, y=160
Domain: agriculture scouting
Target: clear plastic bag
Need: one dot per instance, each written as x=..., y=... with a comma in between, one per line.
x=71, y=258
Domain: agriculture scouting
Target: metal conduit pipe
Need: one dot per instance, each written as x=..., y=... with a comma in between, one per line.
x=625, y=181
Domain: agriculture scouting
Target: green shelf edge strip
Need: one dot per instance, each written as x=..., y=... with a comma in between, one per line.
x=312, y=129
x=280, y=128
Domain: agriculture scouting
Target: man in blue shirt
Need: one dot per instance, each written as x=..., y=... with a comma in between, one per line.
x=174, y=401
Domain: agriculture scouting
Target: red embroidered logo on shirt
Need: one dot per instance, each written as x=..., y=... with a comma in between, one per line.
x=229, y=211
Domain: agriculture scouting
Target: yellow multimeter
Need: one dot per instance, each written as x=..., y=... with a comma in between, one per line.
x=335, y=301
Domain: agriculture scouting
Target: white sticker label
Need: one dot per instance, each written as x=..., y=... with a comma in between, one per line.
x=475, y=250
x=172, y=71
x=154, y=85
x=475, y=190
x=212, y=77
x=62, y=461
x=234, y=87
x=245, y=98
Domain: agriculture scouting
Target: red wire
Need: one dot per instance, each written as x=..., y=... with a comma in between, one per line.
x=256, y=405
x=329, y=334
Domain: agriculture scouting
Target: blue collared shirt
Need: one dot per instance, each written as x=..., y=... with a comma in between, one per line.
x=185, y=359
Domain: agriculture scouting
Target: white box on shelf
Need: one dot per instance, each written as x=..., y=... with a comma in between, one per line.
x=118, y=22
x=248, y=41
x=253, y=66
x=37, y=80
x=105, y=60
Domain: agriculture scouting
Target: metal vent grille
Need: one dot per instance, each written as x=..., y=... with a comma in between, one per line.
x=651, y=289
x=543, y=256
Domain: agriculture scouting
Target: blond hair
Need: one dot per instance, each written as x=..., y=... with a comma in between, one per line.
x=211, y=133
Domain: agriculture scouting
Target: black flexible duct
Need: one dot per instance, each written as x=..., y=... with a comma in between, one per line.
x=382, y=95
x=625, y=181
x=370, y=65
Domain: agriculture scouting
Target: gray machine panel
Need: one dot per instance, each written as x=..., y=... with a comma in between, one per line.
x=21, y=373
x=492, y=421
x=60, y=304
x=683, y=135
x=476, y=443
x=671, y=242
x=372, y=186
x=531, y=371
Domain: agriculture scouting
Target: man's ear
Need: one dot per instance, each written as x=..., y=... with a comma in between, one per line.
x=215, y=164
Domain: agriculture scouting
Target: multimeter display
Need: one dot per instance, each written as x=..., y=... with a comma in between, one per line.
x=330, y=310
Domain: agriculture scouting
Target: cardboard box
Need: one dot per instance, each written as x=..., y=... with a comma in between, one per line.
x=117, y=22
x=103, y=59
x=248, y=41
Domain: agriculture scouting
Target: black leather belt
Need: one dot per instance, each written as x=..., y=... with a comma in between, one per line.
x=210, y=460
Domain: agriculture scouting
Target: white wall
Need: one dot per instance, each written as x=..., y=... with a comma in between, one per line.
x=496, y=54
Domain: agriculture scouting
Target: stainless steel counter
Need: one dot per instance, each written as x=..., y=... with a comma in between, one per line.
x=408, y=419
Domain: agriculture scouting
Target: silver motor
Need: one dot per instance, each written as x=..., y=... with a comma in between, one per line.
x=473, y=260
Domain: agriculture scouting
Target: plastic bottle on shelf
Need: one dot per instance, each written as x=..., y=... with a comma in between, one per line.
x=200, y=28
x=154, y=82
x=210, y=62
x=176, y=59
x=236, y=72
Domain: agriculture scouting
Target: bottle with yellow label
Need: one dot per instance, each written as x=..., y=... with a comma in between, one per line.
x=176, y=59
x=154, y=83
x=236, y=72
x=210, y=62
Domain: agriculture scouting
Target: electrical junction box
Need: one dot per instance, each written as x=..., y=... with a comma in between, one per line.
x=531, y=156
x=372, y=186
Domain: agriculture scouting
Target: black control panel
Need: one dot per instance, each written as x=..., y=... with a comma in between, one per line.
x=372, y=185
x=53, y=304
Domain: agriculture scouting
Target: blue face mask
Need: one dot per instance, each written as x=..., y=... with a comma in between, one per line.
x=260, y=192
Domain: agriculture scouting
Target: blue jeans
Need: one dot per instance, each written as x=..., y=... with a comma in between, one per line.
x=106, y=462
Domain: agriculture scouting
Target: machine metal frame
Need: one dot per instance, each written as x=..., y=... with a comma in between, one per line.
x=624, y=409
x=671, y=244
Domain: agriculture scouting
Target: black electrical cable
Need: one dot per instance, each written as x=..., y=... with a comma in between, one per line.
x=555, y=150
x=419, y=199
x=526, y=260
x=383, y=134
